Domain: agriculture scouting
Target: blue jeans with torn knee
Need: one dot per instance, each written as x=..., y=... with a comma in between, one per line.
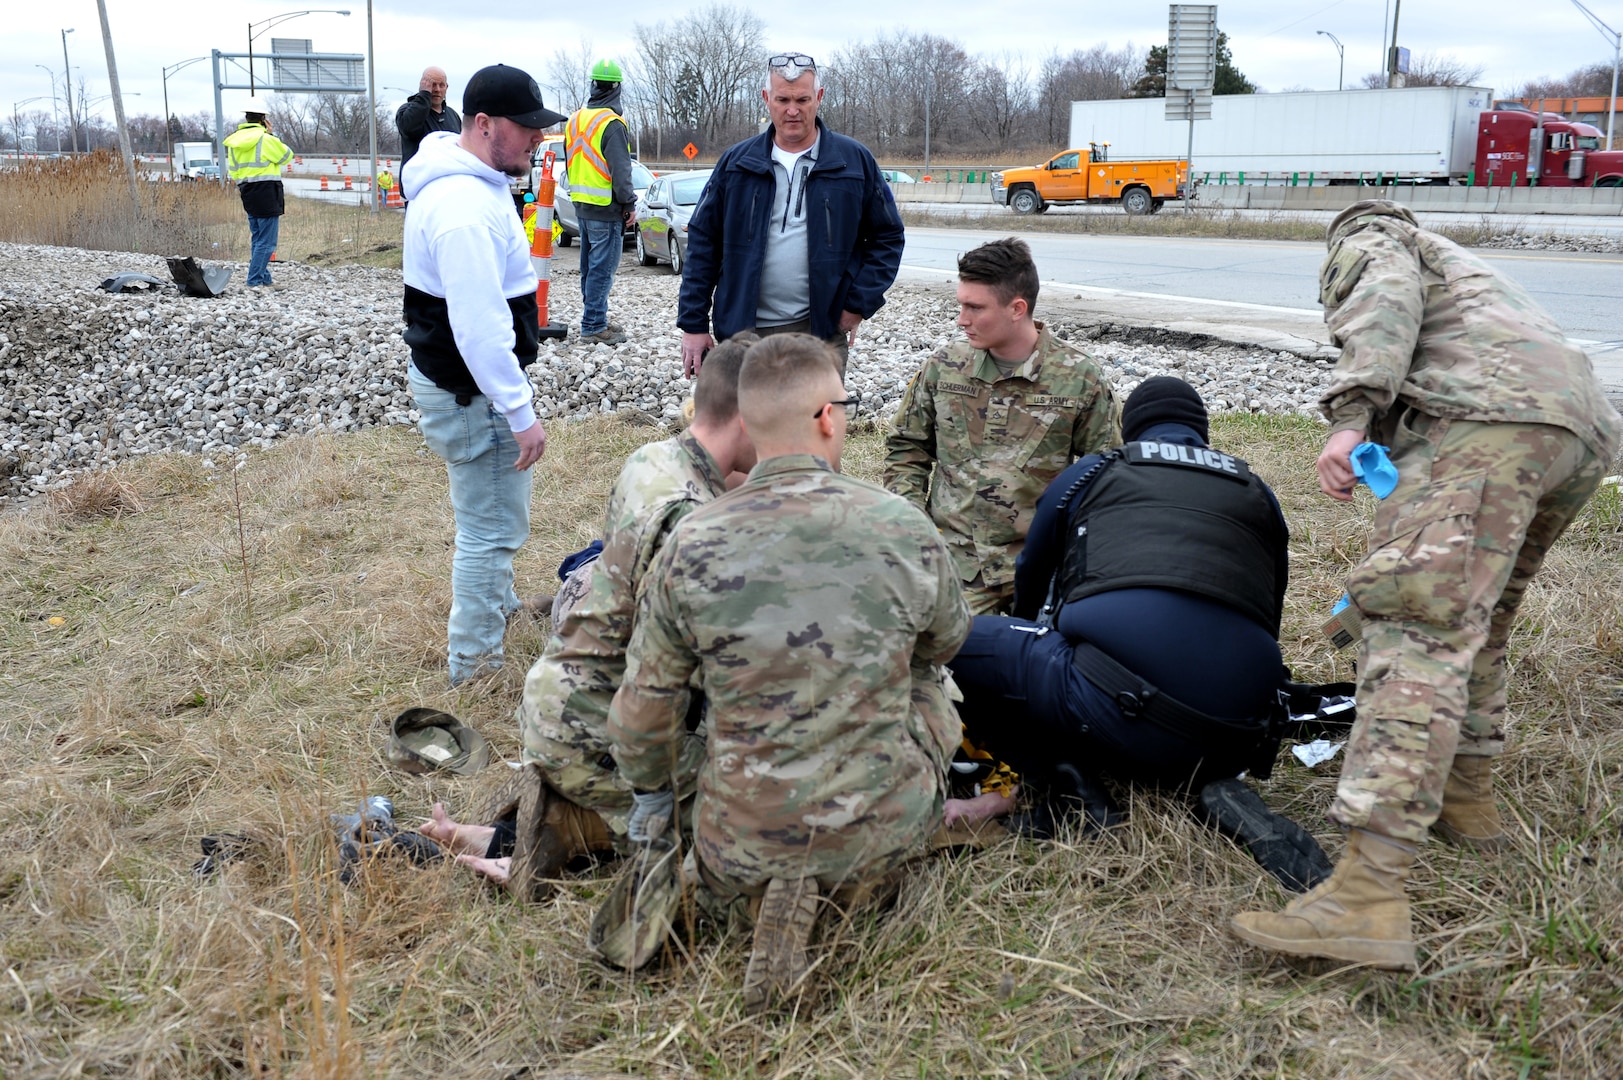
x=491, y=503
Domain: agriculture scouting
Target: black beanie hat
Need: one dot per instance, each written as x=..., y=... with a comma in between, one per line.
x=1163, y=400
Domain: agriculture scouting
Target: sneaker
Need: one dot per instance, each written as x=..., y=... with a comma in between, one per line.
x=606, y=336
x=1278, y=844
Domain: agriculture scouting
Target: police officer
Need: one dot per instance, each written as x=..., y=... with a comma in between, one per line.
x=599, y=161
x=1144, y=643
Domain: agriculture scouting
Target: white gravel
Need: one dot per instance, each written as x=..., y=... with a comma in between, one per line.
x=91, y=378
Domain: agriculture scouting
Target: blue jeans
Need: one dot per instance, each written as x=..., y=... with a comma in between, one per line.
x=601, y=245
x=491, y=502
x=264, y=231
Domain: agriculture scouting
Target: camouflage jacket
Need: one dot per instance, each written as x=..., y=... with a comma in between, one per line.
x=1424, y=323
x=994, y=442
x=814, y=609
x=564, y=711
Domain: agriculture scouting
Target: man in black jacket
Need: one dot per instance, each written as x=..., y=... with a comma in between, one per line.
x=1145, y=639
x=425, y=111
x=796, y=231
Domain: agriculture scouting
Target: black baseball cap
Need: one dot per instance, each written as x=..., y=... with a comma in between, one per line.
x=505, y=91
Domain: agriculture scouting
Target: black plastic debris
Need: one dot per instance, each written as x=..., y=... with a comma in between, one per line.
x=198, y=280
x=131, y=283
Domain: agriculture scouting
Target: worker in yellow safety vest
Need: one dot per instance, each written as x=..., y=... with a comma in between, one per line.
x=255, y=159
x=598, y=151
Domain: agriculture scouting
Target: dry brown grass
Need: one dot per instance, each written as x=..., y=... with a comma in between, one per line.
x=161, y=710
x=85, y=202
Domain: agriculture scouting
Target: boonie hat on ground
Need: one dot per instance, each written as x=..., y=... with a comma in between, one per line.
x=505, y=91
x=422, y=740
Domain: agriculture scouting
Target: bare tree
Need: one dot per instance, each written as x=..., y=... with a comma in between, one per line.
x=1592, y=81
x=1099, y=73
x=569, y=77
x=1430, y=69
x=999, y=99
x=702, y=75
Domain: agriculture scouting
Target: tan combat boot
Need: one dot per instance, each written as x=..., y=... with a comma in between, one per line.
x=1359, y=915
x=783, y=929
x=1469, y=817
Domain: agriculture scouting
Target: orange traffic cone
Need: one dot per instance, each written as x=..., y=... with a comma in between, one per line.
x=323, y=183
x=349, y=185
x=541, y=248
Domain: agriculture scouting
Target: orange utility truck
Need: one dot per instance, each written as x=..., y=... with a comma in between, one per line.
x=1089, y=176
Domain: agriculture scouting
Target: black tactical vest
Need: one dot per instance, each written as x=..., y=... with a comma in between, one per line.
x=1168, y=516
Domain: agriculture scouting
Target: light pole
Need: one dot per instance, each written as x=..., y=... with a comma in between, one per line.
x=67, y=88
x=16, y=124
x=56, y=113
x=1341, y=74
x=258, y=28
x=1616, y=39
x=168, y=135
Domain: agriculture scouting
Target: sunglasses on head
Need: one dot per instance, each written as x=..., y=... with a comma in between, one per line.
x=783, y=60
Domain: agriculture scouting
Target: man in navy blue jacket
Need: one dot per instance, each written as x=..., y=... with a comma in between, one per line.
x=1145, y=639
x=796, y=231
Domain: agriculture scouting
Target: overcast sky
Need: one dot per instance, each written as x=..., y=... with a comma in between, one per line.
x=1274, y=44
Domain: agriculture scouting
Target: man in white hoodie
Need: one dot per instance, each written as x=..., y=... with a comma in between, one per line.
x=471, y=324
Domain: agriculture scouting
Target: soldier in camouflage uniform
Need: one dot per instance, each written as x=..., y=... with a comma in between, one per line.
x=1500, y=433
x=987, y=423
x=563, y=716
x=814, y=610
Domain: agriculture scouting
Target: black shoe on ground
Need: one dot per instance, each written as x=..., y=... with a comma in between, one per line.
x=1071, y=796
x=1278, y=844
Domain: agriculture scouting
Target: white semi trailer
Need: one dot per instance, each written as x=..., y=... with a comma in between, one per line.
x=1341, y=136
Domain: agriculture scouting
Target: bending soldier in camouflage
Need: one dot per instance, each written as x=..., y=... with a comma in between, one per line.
x=814, y=610
x=1500, y=434
x=563, y=716
x=987, y=423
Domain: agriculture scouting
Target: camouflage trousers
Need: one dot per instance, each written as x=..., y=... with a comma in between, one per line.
x=563, y=722
x=984, y=599
x=1477, y=507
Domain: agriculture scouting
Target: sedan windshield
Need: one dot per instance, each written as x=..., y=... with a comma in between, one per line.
x=640, y=176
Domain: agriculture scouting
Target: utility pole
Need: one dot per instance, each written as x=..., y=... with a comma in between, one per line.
x=1616, y=40
x=371, y=110
x=67, y=88
x=118, y=102
x=1392, y=52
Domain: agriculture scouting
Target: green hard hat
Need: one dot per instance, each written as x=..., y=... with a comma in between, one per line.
x=606, y=71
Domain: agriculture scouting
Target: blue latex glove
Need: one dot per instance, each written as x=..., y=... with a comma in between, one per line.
x=1371, y=465
x=650, y=814
x=1343, y=602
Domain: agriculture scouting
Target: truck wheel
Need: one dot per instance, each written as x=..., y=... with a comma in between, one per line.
x=1026, y=201
x=1155, y=207
x=1137, y=201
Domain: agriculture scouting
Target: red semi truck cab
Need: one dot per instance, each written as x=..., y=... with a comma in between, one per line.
x=1513, y=147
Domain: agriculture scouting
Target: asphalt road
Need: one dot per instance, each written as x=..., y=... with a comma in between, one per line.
x=1237, y=279
x=1537, y=224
